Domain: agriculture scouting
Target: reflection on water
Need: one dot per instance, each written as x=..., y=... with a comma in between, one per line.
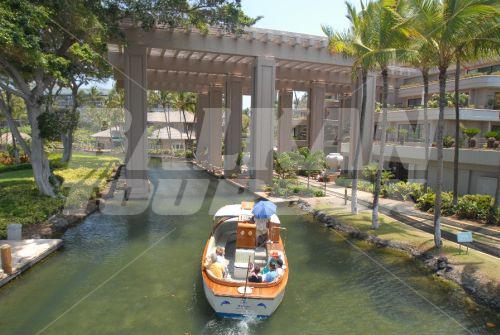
x=333, y=288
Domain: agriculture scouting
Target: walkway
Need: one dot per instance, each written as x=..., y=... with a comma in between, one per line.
x=486, y=238
x=26, y=253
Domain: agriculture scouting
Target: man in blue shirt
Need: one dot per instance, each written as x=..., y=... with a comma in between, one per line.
x=271, y=275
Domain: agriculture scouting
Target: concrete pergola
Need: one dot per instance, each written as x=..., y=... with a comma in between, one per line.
x=221, y=68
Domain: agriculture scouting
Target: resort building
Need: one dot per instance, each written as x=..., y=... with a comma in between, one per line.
x=167, y=130
x=405, y=153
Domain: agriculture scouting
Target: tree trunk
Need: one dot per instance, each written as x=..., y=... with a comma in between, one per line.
x=378, y=177
x=427, y=128
x=39, y=161
x=67, y=141
x=497, y=194
x=67, y=135
x=457, y=134
x=15, y=152
x=7, y=109
x=357, y=153
x=439, y=144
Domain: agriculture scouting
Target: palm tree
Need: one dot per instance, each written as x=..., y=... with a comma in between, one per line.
x=451, y=20
x=422, y=59
x=351, y=44
x=471, y=48
x=387, y=43
x=185, y=102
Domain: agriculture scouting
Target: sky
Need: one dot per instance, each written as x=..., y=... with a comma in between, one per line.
x=298, y=16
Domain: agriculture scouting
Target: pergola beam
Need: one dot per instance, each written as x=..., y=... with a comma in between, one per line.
x=177, y=40
x=235, y=68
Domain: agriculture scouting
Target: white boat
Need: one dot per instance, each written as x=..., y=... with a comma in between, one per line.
x=234, y=296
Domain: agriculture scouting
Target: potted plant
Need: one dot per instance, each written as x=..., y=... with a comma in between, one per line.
x=470, y=133
x=390, y=132
x=490, y=137
x=402, y=135
x=448, y=141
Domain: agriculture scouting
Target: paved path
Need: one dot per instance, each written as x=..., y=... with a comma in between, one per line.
x=487, y=238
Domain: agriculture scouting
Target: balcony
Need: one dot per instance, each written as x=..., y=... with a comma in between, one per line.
x=417, y=114
x=476, y=81
x=415, y=151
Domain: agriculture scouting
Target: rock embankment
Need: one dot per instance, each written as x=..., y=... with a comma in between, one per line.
x=484, y=291
x=57, y=224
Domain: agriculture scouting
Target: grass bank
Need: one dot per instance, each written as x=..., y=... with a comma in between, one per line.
x=476, y=272
x=20, y=201
x=393, y=230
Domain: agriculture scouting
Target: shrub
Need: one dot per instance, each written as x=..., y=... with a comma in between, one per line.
x=474, y=206
x=365, y=186
x=296, y=189
x=492, y=133
x=493, y=216
x=403, y=191
x=397, y=191
x=426, y=203
x=448, y=141
x=318, y=192
x=22, y=166
x=312, y=192
x=417, y=190
x=343, y=181
x=370, y=173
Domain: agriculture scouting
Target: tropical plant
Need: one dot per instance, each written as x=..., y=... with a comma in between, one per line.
x=448, y=141
x=311, y=162
x=449, y=21
x=286, y=164
x=352, y=43
x=185, y=102
x=385, y=42
x=470, y=133
x=471, y=48
x=37, y=47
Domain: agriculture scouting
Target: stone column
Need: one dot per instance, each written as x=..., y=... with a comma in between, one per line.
x=135, y=83
x=367, y=141
x=317, y=116
x=232, y=138
x=261, y=142
x=202, y=128
x=214, y=115
x=285, y=120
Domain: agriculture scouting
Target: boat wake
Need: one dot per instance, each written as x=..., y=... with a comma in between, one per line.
x=231, y=327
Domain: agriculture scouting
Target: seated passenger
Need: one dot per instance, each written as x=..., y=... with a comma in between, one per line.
x=219, y=251
x=255, y=276
x=279, y=267
x=271, y=275
x=273, y=259
x=216, y=268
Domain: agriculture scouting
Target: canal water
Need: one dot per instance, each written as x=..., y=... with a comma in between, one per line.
x=140, y=274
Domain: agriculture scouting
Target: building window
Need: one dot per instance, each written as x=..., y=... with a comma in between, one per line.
x=177, y=146
x=410, y=132
x=300, y=133
x=414, y=102
x=497, y=101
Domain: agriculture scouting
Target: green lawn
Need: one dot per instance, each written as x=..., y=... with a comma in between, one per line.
x=394, y=230
x=20, y=201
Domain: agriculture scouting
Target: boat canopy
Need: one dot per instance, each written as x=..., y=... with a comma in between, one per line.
x=237, y=211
